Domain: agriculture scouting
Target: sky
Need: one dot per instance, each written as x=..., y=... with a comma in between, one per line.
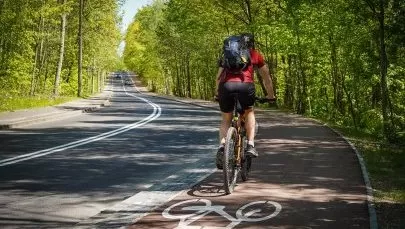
x=129, y=9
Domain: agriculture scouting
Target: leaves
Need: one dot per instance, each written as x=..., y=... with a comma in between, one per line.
x=324, y=55
x=30, y=41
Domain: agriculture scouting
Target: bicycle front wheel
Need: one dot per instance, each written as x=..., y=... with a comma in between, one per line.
x=230, y=171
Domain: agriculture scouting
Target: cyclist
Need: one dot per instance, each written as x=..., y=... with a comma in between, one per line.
x=243, y=84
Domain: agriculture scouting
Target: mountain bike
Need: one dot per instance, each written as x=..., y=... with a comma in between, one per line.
x=234, y=159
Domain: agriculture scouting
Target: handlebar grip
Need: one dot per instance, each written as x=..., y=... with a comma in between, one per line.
x=264, y=100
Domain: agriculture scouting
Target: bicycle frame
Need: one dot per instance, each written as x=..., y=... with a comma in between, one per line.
x=238, y=124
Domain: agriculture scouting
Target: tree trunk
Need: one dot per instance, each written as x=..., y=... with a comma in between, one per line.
x=274, y=72
x=336, y=78
x=248, y=11
x=302, y=87
x=80, y=56
x=34, y=69
x=289, y=88
x=351, y=105
x=188, y=75
x=302, y=79
x=383, y=72
x=61, y=52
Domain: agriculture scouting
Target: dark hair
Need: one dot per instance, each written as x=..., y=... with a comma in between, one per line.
x=249, y=39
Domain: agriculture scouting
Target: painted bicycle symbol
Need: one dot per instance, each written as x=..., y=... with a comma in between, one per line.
x=202, y=207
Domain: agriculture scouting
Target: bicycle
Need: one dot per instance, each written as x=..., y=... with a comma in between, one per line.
x=234, y=159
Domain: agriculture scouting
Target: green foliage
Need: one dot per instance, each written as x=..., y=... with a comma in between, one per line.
x=30, y=43
x=324, y=55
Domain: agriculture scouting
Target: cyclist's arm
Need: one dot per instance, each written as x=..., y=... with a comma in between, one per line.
x=218, y=79
x=268, y=83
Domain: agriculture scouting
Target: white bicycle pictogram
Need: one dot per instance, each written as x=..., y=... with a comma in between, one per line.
x=203, y=210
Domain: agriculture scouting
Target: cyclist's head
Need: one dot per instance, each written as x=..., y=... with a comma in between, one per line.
x=249, y=39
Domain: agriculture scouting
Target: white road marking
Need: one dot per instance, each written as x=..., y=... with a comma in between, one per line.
x=154, y=115
x=202, y=210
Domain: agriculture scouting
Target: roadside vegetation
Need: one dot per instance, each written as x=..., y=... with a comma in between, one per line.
x=12, y=104
x=51, y=51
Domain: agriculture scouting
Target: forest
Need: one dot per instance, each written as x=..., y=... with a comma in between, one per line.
x=56, y=48
x=338, y=60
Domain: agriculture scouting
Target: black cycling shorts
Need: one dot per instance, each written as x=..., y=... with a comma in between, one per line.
x=245, y=92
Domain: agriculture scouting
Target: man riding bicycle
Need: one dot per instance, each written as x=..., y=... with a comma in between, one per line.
x=242, y=83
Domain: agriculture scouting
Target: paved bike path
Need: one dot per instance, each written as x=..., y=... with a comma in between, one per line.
x=306, y=176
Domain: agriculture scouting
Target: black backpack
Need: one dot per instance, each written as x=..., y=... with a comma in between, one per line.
x=236, y=55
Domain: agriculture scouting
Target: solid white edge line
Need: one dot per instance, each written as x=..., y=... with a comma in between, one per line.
x=155, y=114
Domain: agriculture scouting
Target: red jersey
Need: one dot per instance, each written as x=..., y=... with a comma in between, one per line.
x=247, y=75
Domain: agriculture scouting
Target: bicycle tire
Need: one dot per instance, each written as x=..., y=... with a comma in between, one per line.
x=246, y=166
x=229, y=170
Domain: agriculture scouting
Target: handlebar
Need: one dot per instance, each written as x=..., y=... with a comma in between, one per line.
x=265, y=100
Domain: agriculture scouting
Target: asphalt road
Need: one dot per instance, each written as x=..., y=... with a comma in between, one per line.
x=148, y=162
x=60, y=173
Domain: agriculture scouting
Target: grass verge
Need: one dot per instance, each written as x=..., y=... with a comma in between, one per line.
x=386, y=167
x=17, y=103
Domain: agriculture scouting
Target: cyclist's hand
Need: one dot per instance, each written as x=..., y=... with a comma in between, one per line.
x=271, y=99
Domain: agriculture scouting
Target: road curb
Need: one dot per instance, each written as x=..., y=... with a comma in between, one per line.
x=40, y=118
x=59, y=115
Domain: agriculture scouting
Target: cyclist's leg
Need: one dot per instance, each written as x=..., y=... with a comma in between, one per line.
x=223, y=129
x=247, y=100
x=250, y=123
x=225, y=124
x=226, y=106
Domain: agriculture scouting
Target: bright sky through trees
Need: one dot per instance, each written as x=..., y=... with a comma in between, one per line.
x=129, y=10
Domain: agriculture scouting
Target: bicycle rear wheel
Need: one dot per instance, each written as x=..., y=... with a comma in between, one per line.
x=246, y=162
x=246, y=165
x=230, y=170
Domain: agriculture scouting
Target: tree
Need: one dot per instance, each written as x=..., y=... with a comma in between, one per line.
x=62, y=49
x=80, y=56
x=328, y=58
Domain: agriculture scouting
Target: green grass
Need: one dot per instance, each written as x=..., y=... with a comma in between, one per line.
x=385, y=164
x=17, y=103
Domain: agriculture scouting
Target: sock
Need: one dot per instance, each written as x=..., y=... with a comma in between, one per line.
x=222, y=143
x=252, y=143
